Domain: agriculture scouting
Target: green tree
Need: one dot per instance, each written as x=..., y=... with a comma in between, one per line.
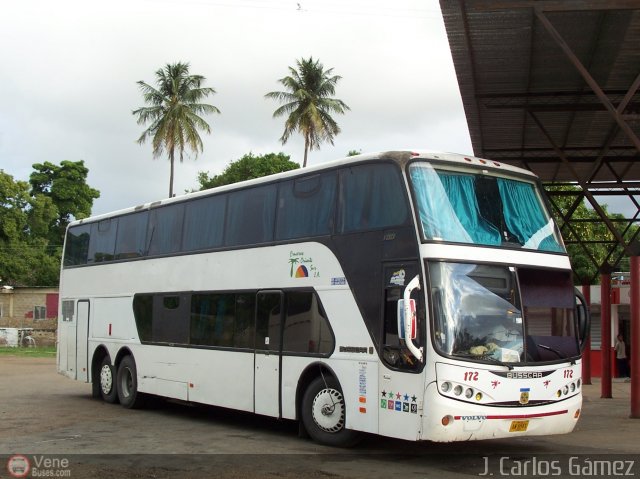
x=308, y=104
x=26, y=258
x=248, y=167
x=66, y=186
x=174, y=113
x=589, y=242
x=354, y=152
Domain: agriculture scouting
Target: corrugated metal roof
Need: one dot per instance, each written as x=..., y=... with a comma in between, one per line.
x=519, y=88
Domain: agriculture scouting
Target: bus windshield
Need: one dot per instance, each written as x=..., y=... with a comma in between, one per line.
x=495, y=313
x=477, y=208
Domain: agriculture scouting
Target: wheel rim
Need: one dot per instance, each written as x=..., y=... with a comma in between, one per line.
x=106, y=379
x=328, y=410
x=126, y=384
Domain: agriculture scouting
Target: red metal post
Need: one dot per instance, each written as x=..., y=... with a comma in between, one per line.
x=634, y=341
x=605, y=327
x=586, y=354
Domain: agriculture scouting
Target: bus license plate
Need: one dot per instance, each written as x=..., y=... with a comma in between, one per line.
x=519, y=426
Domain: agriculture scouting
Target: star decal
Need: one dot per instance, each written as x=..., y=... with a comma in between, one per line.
x=384, y=393
x=414, y=398
x=390, y=394
x=398, y=396
x=406, y=397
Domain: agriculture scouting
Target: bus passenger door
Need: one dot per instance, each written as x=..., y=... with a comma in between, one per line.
x=266, y=385
x=82, y=337
x=65, y=328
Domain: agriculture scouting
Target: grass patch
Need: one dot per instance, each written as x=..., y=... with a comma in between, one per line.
x=37, y=352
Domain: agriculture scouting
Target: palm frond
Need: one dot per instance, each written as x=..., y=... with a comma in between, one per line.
x=307, y=101
x=173, y=107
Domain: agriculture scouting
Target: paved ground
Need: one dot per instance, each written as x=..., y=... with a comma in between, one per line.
x=46, y=416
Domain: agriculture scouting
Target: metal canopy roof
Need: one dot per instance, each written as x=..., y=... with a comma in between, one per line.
x=553, y=86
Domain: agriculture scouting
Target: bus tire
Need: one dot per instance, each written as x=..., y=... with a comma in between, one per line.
x=127, y=381
x=108, y=389
x=324, y=413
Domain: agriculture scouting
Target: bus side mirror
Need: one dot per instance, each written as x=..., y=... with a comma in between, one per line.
x=584, y=320
x=411, y=308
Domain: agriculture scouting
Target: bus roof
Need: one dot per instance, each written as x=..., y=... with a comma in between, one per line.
x=400, y=156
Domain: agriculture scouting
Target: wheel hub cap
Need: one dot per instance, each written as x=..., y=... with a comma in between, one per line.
x=106, y=379
x=328, y=410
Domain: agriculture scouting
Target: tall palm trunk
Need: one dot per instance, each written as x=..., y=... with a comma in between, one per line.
x=171, y=174
x=306, y=150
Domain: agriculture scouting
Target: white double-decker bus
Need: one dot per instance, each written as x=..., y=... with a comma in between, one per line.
x=416, y=295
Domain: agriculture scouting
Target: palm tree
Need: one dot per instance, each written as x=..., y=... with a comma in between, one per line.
x=308, y=103
x=174, y=112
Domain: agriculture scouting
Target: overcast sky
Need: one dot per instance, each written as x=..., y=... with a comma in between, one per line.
x=69, y=70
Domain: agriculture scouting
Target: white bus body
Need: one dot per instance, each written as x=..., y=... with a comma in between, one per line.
x=301, y=323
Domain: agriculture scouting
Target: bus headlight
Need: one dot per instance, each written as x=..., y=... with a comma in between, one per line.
x=468, y=393
x=445, y=387
x=457, y=390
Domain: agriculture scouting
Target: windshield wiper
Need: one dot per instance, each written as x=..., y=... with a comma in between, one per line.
x=555, y=351
x=490, y=359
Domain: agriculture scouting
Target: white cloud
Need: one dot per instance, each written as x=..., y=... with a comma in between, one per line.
x=69, y=70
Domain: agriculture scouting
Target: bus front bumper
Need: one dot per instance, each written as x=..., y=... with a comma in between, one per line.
x=447, y=420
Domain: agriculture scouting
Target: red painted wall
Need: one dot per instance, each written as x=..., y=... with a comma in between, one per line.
x=596, y=363
x=52, y=305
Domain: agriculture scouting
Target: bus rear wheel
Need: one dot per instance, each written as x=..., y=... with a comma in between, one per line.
x=324, y=413
x=127, y=381
x=108, y=389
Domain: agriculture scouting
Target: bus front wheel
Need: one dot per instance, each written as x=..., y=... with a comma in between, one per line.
x=324, y=413
x=127, y=378
x=108, y=389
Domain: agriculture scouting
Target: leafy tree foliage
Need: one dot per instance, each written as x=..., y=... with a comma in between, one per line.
x=33, y=216
x=308, y=104
x=248, y=167
x=66, y=185
x=354, y=152
x=599, y=246
x=174, y=112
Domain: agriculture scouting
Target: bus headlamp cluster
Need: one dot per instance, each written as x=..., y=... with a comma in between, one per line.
x=458, y=389
x=569, y=388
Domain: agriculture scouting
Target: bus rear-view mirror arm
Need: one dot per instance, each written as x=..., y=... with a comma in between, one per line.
x=407, y=319
x=584, y=319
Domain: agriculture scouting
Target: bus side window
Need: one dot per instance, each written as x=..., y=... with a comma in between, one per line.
x=204, y=223
x=251, y=215
x=268, y=321
x=165, y=229
x=213, y=319
x=244, y=329
x=143, y=313
x=395, y=352
x=132, y=232
x=306, y=329
x=371, y=197
x=77, y=245
x=170, y=319
x=391, y=298
x=306, y=206
x=103, y=240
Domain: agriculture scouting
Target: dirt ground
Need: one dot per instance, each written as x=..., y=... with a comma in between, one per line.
x=50, y=419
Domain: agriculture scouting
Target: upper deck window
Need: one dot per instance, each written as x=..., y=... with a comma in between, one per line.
x=371, y=197
x=470, y=207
